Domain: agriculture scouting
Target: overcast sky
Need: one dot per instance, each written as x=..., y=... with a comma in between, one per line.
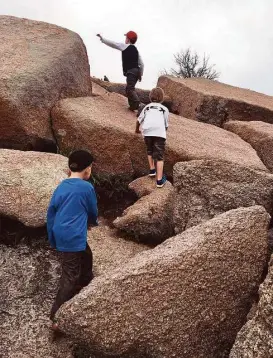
x=236, y=34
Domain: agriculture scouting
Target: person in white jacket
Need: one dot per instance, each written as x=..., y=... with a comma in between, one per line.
x=154, y=122
x=132, y=65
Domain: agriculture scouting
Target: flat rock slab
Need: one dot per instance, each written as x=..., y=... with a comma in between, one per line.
x=28, y=180
x=40, y=64
x=255, y=340
x=143, y=186
x=110, y=250
x=215, y=102
x=206, y=188
x=121, y=89
x=150, y=219
x=259, y=135
x=103, y=125
x=188, y=296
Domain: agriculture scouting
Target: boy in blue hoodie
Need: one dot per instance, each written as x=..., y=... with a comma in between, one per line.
x=72, y=206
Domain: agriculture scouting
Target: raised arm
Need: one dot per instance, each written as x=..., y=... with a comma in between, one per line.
x=116, y=45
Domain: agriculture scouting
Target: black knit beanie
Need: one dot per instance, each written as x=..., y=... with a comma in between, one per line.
x=79, y=160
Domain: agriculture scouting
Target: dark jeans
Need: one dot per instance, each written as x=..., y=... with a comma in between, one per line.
x=132, y=78
x=155, y=147
x=76, y=273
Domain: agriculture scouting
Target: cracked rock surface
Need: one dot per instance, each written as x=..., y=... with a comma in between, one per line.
x=255, y=340
x=28, y=284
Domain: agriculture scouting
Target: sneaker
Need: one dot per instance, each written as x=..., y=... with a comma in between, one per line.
x=152, y=173
x=162, y=182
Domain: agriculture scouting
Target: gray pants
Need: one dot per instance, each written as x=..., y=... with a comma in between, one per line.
x=132, y=78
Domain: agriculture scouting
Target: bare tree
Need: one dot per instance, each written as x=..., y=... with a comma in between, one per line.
x=190, y=64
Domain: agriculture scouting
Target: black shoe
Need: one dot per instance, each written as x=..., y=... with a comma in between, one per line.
x=162, y=182
x=152, y=173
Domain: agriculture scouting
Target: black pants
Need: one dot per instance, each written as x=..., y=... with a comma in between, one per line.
x=132, y=78
x=76, y=274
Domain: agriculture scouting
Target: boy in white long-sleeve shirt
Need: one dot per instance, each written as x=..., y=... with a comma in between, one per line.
x=132, y=64
x=154, y=122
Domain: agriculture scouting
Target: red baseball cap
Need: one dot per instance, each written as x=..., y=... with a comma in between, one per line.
x=131, y=35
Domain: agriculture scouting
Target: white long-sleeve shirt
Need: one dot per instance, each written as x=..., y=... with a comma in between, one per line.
x=154, y=120
x=121, y=47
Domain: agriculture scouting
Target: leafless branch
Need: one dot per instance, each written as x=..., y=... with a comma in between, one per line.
x=189, y=64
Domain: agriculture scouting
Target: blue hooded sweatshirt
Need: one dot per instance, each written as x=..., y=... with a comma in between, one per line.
x=72, y=205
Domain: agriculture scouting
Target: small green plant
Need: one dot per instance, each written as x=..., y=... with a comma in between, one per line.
x=112, y=184
x=113, y=194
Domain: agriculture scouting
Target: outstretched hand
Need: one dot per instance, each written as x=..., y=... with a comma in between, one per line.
x=99, y=35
